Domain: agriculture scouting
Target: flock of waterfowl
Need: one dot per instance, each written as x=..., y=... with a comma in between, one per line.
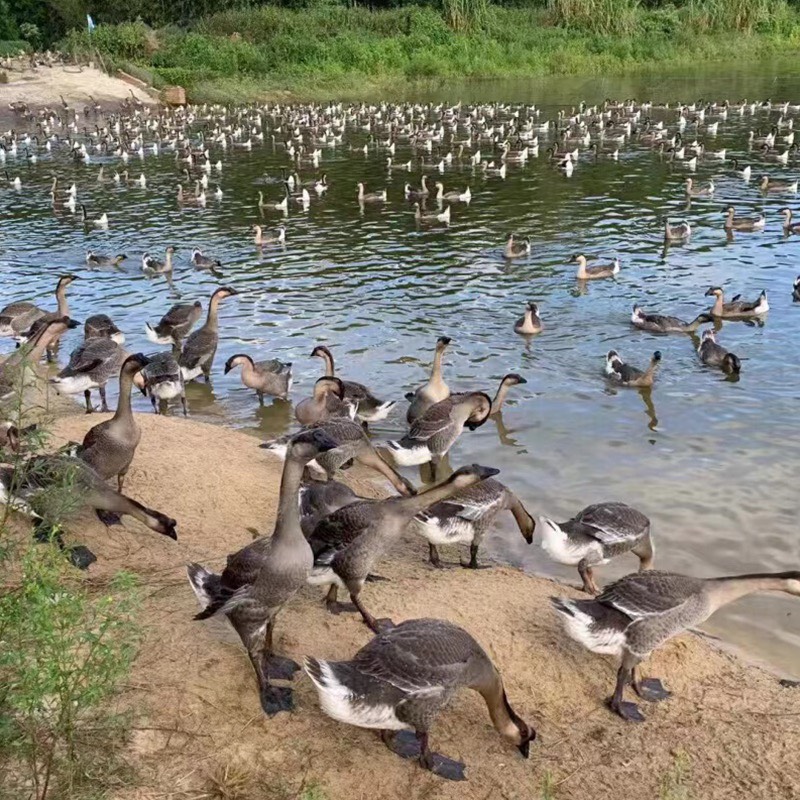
x=324, y=533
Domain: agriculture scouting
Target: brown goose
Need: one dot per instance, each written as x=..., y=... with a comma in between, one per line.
x=261, y=578
x=637, y=614
x=348, y=542
x=435, y=389
x=737, y=308
x=197, y=355
x=404, y=678
x=17, y=318
x=326, y=402
x=512, y=379
x=271, y=377
x=626, y=375
x=530, y=323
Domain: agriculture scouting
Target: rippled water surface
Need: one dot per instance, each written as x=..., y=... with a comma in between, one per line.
x=712, y=463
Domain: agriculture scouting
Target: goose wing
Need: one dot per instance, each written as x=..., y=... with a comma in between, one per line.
x=613, y=523
x=623, y=372
x=336, y=531
x=471, y=503
x=650, y=593
x=273, y=366
x=435, y=419
x=198, y=345
x=179, y=314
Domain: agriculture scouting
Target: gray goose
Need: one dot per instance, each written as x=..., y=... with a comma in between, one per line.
x=101, y=325
x=261, y=578
x=348, y=542
x=352, y=444
x=713, y=354
x=466, y=516
x=162, y=380
x=175, y=325
x=271, y=377
x=529, y=323
x=433, y=434
x=737, y=308
x=318, y=499
x=199, y=349
x=368, y=407
x=326, y=402
x=404, y=678
x=637, y=614
x=659, y=323
x=587, y=273
x=595, y=535
x=108, y=448
x=434, y=390
x=626, y=375
x=59, y=313
x=17, y=318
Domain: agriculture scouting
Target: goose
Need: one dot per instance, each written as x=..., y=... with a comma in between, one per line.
x=101, y=325
x=96, y=260
x=434, y=432
x=161, y=380
x=417, y=194
x=734, y=223
x=271, y=377
x=43, y=474
x=715, y=355
x=586, y=273
x=348, y=543
x=700, y=191
x=19, y=369
x=595, y=535
x=259, y=239
x=108, y=448
x=796, y=289
x=506, y=382
x=17, y=318
x=736, y=308
x=679, y=232
x=640, y=612
x=328, y=400
x=777, y=157
x=452, y=197
x=432, y=218
x=371, y=197
x=466, y=516
x=205, y=262
x=91, y=365
x=767, y=185
x=260, y=579
x=318, y=499
x=198, y=199
x=283, y=205
x=788, y=225
x=745, y=172
x=369, y=407
x=626, y=375
x=97, y=222
x=199, y=349
x=403, y=679
x=530, y=323
x=175, y=325
x=152, y=264
x=515, y=249
x=352, y=444
x=659, y=323
x=434, y=390
x=392, y=167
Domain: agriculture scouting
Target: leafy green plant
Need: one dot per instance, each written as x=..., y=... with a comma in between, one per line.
x=598, y=16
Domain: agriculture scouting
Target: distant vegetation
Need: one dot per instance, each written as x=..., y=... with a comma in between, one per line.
x=237, y=49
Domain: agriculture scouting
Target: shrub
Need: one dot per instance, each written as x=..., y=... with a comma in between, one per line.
x=620, y=17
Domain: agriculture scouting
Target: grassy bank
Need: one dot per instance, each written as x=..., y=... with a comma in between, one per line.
x=333, y=51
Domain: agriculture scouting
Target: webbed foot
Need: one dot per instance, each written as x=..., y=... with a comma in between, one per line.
x=281, y=668
x=628, y=711
x=275, y=699
x=652, y=689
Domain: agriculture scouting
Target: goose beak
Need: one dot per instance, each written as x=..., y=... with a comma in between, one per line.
x=525, y=749
x=487, y=472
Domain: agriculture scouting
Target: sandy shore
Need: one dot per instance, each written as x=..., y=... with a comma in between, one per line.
x=197, y=710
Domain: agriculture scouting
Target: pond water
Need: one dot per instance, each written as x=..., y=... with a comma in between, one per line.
x=713, y=463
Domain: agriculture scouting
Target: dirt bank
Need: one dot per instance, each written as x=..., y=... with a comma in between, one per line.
x=197, y=710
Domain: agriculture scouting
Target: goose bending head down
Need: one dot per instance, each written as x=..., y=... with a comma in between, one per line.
x=506, y=382
x=402, y=680
x=640, y=612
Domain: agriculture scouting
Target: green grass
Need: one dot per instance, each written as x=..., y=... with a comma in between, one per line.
x=337, y=52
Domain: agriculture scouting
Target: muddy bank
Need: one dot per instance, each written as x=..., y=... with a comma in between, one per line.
x=197, y=710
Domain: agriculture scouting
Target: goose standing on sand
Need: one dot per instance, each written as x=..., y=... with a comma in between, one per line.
x=506, y=382
x=736, y=308
x=586, y=273
x=530, y=323
x=326, y=402
x=161, y=380
x=352, y=444
x=713, y=354
x=734, y=223
x=596, y=535
x=404, y=678
x=466, y=516
x=434, y=390
x=199, y=349
x=637, y=614
x=175, y=325
x=659, y=323
x=433, y=433
x=91, y=366
x=17, y=318
x=271, y=377
x=626, y=375
x=369, y=407
x=261, y=578
x=108, y=448
x=348, y=543
x=515, y=249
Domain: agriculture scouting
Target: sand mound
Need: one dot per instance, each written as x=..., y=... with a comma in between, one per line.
x=197, y=709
